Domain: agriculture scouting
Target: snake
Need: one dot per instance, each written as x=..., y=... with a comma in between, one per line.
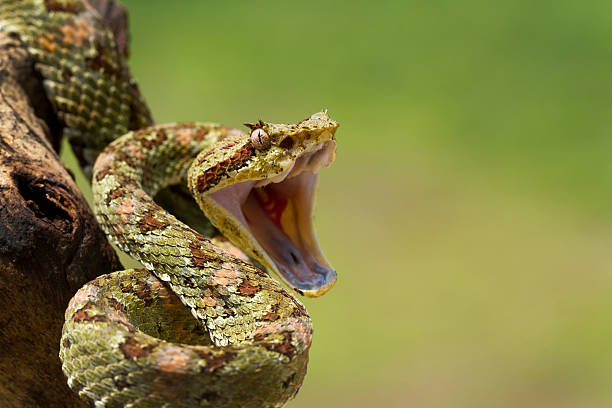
x=203, y=323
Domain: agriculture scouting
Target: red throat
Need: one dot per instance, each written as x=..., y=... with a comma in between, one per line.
x=272, y=204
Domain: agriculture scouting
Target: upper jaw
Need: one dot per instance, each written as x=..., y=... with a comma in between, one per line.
x=312, y=159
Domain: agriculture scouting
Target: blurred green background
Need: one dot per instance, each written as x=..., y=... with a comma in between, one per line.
x=469, y=212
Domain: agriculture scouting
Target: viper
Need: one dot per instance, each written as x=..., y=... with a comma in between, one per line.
x=203, y=323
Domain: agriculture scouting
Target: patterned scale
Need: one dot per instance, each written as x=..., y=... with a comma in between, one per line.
x=89, y=85
x=200, y=326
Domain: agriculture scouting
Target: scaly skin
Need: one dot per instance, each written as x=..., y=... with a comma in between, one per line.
x=85, y=78
x=200, y=326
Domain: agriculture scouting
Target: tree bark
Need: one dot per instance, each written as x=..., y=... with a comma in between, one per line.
x=50, y=243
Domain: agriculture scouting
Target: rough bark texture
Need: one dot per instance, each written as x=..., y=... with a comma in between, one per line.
x=50, y=243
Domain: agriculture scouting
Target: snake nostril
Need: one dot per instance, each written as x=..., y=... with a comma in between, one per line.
x=287, y=143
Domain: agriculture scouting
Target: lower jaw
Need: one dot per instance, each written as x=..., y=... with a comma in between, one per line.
x=279, y=217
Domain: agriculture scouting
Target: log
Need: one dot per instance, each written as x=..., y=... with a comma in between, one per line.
x=50, y=243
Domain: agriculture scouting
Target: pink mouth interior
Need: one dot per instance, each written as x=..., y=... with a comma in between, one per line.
x=292, y=244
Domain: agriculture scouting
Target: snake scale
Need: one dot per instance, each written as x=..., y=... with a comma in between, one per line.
x=203, y=324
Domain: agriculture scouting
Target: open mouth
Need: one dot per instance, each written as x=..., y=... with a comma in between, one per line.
x=278, y=214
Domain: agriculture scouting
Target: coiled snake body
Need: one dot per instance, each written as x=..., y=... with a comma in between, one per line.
x=200, y=326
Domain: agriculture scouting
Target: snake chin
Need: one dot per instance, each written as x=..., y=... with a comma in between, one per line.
x=277, y=213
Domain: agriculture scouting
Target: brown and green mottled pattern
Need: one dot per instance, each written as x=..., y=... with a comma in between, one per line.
x=86, y=79
x=128, y=339
x=257, y=335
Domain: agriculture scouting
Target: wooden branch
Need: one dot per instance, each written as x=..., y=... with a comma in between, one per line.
x=50, y=243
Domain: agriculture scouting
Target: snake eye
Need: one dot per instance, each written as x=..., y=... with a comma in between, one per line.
x=260, y=139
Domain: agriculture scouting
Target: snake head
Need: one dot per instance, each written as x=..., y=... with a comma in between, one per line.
x=258, y=190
